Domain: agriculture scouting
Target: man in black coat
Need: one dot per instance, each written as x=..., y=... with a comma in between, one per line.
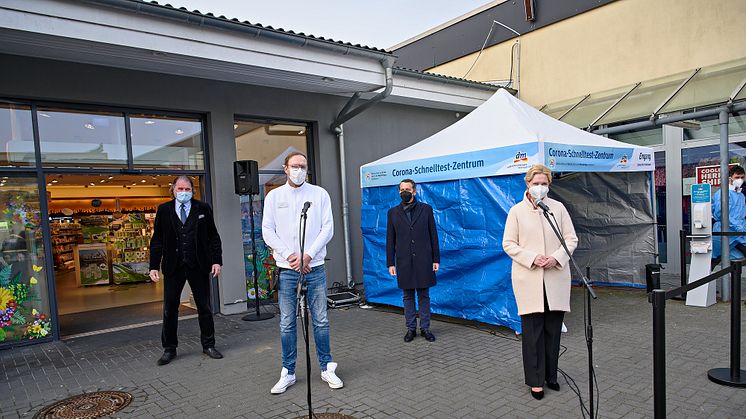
x=413, y=256
x=186, y=246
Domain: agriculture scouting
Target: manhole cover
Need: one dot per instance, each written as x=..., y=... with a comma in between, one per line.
x=87, y=405
x=328, y=416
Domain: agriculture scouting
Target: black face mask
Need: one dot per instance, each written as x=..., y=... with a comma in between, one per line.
x=406, y=196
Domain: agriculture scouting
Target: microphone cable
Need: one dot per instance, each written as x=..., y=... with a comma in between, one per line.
x=574, y=387
x=571, y=382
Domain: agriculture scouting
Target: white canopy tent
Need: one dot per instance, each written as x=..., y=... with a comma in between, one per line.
x=505, y=136
x=471, y=174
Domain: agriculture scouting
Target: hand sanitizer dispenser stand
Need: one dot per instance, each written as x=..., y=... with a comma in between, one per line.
x=701, y=247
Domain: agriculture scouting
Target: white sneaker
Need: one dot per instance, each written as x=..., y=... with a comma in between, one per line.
x=330, y=377
x=285, y=382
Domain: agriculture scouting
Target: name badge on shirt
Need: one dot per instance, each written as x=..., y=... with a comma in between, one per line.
x=282, y=205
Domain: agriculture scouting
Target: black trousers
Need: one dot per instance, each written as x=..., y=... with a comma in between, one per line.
x=540, y=341
x=172, y=287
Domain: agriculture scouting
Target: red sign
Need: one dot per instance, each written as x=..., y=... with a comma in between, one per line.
x=710, y=174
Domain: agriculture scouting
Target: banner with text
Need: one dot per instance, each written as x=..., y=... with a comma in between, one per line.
x=710, y=174
x=583, y=158
x=481, y=163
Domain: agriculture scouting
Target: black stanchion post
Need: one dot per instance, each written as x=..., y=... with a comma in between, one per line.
x=735, y=323
x=733, y=376
x=589, y=333
x=659, y=353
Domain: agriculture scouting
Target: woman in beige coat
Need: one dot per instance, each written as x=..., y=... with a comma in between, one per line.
x=541, y=277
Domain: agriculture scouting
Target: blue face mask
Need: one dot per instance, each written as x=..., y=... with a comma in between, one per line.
x=183, y=197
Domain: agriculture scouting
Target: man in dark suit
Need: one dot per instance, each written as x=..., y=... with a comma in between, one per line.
x=413, y=256
x=186, y=245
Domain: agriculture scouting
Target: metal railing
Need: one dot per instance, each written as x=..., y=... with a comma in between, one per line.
x=732, y=376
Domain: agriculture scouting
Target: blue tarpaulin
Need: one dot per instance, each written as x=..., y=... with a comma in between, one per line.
x=472, y=172
x=474, y=277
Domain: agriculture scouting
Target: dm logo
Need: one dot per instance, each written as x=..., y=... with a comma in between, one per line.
x=552, y=162
x=623, y=160
x=521, y=157
x=368, y=177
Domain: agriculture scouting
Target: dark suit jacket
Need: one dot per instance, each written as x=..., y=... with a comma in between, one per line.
x=412, y=247
x=164, y=243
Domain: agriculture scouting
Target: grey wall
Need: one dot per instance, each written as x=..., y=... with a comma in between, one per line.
x=379, y=131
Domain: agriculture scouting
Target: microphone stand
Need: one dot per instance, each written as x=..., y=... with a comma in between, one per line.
x=301, y=295
x=251, y=317
x=588, y=294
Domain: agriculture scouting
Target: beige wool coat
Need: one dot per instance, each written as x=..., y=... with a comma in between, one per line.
x=527, y=234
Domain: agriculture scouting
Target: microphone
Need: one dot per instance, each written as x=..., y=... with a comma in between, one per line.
x=542, y=205
x=306, y=205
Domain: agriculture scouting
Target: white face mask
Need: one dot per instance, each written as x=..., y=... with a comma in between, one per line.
x=297, y=175
x=737, y=183
x=538, y=192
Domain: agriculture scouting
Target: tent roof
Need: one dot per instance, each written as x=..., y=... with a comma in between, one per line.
x=501, y=121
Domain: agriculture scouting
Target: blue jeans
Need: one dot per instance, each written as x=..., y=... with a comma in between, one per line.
x=316, y=280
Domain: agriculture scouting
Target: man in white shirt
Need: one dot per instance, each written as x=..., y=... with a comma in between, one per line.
x=280, y=229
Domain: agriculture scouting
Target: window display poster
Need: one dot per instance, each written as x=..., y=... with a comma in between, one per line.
x=265, y=263
x=24, y=301
x=93, y=265
x=95, y=228
x=130, y=272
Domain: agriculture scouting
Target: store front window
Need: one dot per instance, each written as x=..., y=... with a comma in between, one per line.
x=24, y=299
x=82, y=139
x=100, y=218
x=268, y=144
x=705, y=158
x=162, y=142
x=100, y=227
x=16, y=136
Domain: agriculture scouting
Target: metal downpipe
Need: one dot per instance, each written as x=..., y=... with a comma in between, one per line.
x=345, y=115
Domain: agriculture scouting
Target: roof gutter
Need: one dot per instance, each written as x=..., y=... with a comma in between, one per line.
x=450, y=80
x=235, y=25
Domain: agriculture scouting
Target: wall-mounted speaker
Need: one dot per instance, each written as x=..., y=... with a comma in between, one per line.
x=246, y=177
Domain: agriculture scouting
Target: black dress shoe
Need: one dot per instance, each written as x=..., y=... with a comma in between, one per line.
x=411, y=333
x=212, y=353
x=538, y=395
x=428, y=335
x=167, y=357
x=553, y=386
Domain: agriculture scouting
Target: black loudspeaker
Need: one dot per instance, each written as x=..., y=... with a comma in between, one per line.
x=246, y=177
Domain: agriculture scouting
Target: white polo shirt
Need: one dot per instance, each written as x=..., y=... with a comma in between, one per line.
x=281, y=222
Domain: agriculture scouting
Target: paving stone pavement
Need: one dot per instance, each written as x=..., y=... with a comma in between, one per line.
x=471, y=371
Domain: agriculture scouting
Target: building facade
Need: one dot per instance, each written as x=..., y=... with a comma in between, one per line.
x=103, y=103
x=650, y=73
